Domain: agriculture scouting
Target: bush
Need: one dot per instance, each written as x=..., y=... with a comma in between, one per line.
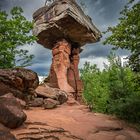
x=95, y=87
x=115, y=90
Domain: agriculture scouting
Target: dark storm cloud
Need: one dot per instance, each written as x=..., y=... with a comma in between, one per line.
x=3, y=4
x=96, y=50
x=29, y=6
x=104, y=13
x=42, y=70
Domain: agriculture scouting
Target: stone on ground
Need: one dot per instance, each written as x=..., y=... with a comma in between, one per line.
x=47, y=92
x=37, y=102
x=11, y=113
x=50, y=103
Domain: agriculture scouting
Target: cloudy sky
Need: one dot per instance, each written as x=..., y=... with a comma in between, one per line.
x=104, y=13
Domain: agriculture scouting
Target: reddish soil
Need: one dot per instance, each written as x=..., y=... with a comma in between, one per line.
x=73, y=122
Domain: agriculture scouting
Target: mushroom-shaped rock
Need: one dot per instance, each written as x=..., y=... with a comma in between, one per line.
x=64, y=19
x=64, y=28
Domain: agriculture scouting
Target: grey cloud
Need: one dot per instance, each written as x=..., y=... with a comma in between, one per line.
x=97, y=50
x=105, y=11
x=41, y=70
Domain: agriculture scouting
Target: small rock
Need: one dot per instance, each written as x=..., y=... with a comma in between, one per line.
x=37, y=102
x=50, y=103
x=11, y=114
x=5, y=134
x=61, y=95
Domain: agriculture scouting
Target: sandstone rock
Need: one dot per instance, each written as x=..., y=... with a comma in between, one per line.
x=45, y=92
x=64, y=73
x=11, y=114
x=61, y=95
x=43, y=131
x=53, y=93
x=37, y=102
x=60, y=64
x=10, y=95
x=50, y=103
x=67, y=20
x=121, y=137
x=18, y=81
x=5, y=134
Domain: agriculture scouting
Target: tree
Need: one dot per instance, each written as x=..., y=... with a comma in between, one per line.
x=126, y=35
x=14, y=33
x=113, y=90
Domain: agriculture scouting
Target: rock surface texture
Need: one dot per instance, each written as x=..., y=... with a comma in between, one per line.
x=11, y=114
x=64, y=28
x=64, y=73
x=21, y=82
x=73, y=122
x=48, y=97
x=5, y=134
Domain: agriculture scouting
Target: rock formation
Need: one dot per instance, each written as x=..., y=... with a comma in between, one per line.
x=15, y=84
x=64, y=28
x=21, y=82
x=11, y=114
x=48, y=97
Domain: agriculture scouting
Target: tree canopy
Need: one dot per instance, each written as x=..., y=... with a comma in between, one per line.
x=14, y=33
x=126, y=35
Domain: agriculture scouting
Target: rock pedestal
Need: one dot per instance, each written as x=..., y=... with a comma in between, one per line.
x=64, y=73
x=64, y=28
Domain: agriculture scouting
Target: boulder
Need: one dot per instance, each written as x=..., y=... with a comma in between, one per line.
x=61, y=95
x=11, y=114
x=37, y=102
x=19, y=81
x=5, y=134
x=10, y=95
x=50, y=103
x=67, y=21
x=47, y=92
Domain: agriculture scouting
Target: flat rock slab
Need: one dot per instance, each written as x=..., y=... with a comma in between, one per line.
x=73, y=123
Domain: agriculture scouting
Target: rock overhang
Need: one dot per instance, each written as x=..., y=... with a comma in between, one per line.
x=64, y=19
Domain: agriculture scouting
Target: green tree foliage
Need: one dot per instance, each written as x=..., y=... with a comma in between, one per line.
x=14, y=32
x=95, y=87
x=113, y=90
x=126, y=35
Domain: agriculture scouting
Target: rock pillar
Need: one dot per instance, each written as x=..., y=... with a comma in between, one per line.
x=60, y=64
x=73, y=72
x=64, y=73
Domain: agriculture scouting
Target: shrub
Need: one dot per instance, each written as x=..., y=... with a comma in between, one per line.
x=115, y=90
